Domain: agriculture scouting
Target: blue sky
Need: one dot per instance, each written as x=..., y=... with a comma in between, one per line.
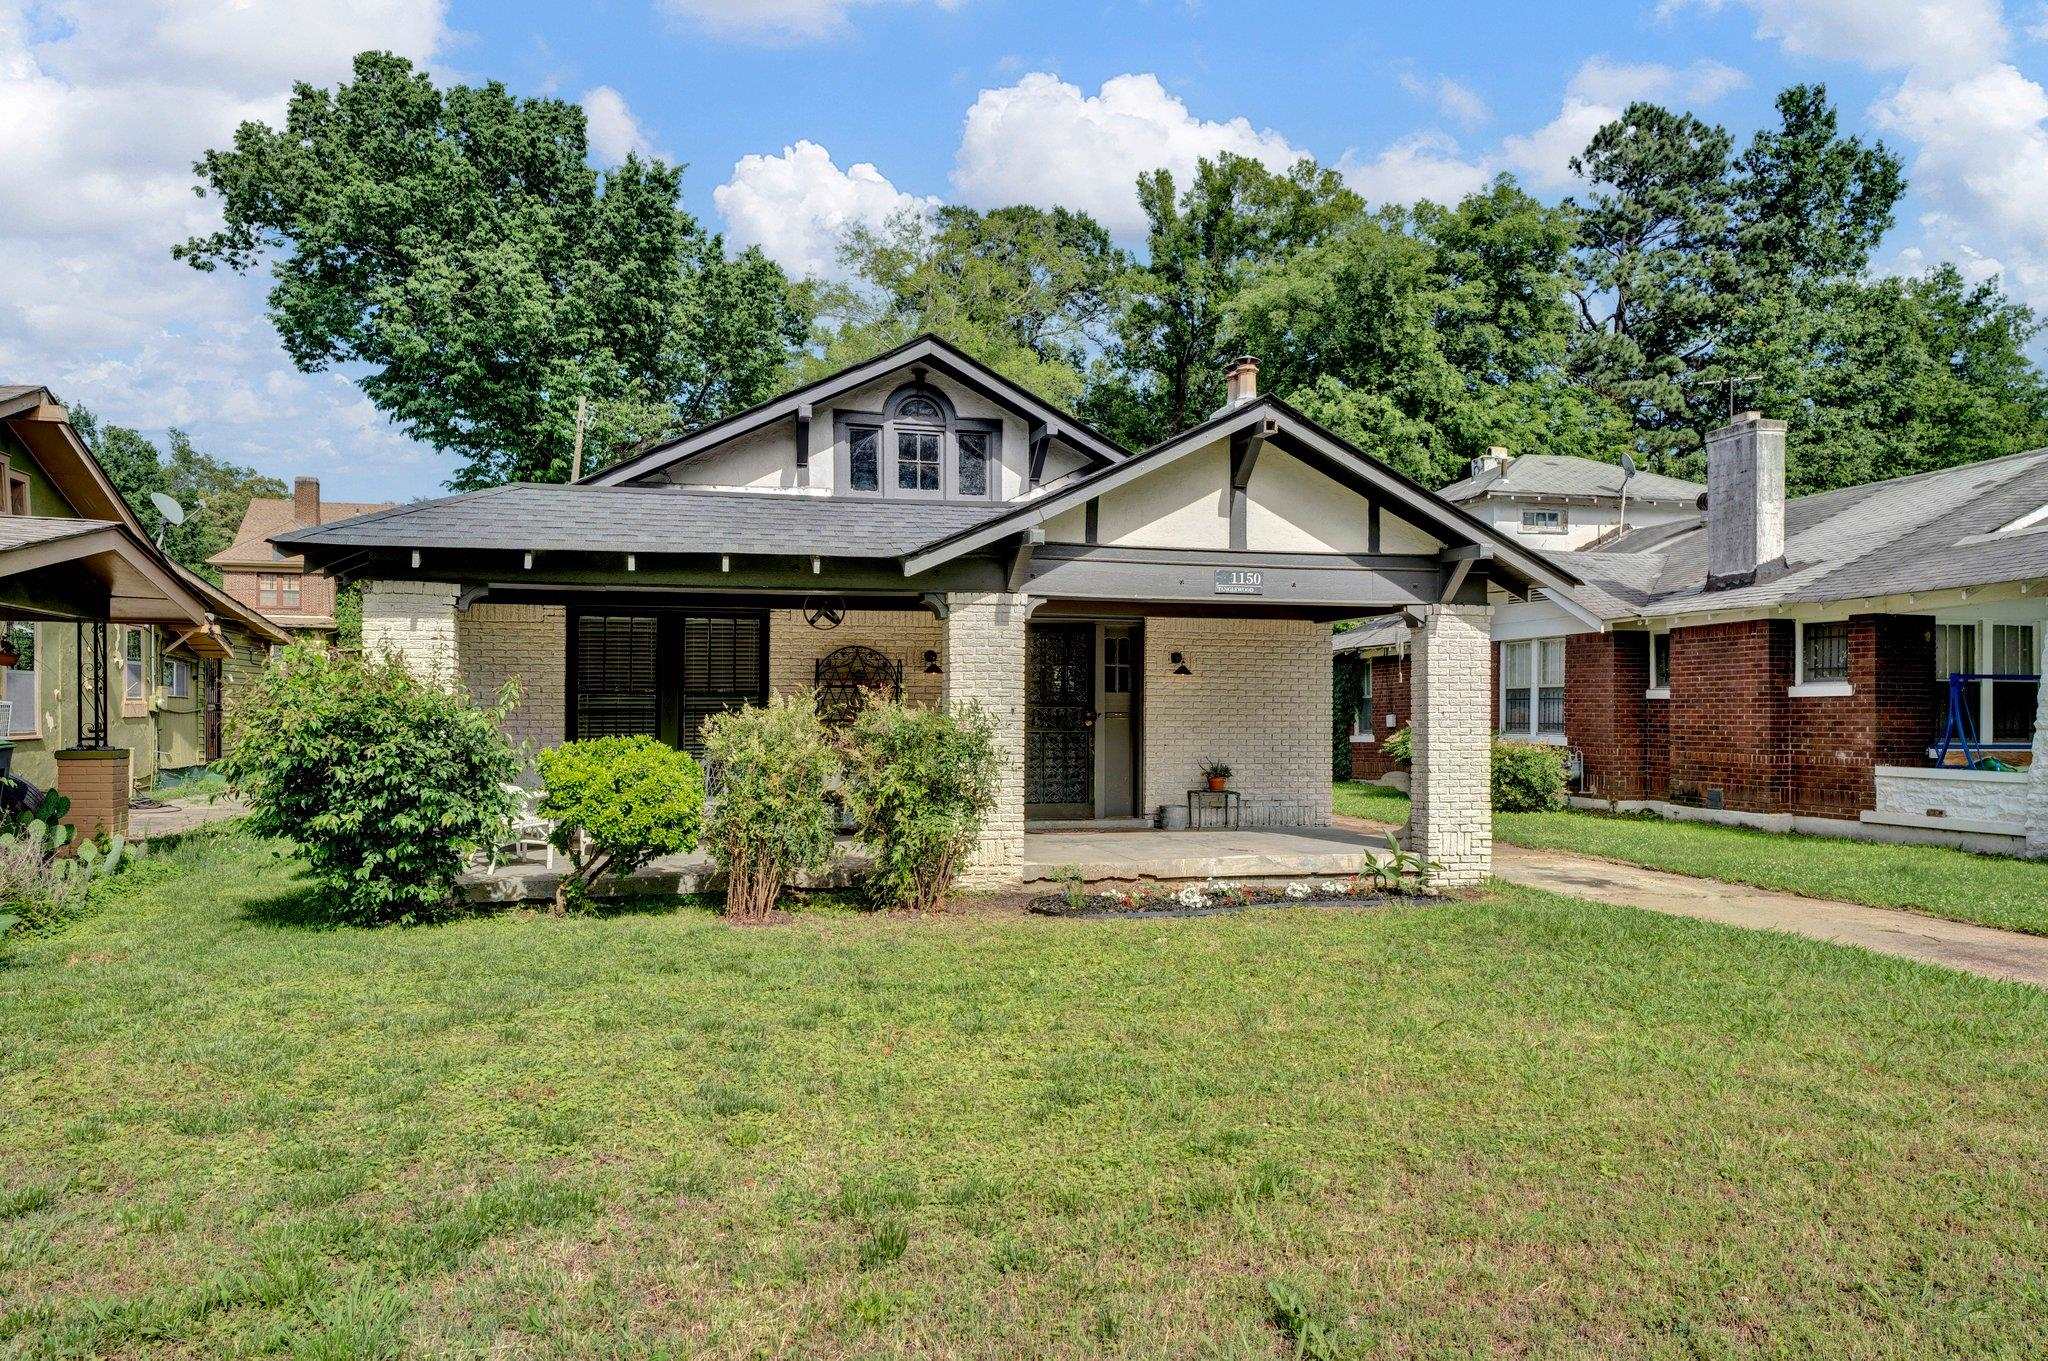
x=799, y=116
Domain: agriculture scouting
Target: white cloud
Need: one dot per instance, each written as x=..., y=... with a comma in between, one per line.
x=778, y=20
x=103, y=109
x=1595, y=96
x=1453, y=99
x=796, y=205
x=1931, y=35
x=614, y=132
x=1426, y=165
x=1043, y=141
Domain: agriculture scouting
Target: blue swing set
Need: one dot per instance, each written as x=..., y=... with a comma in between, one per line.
x=1960, y=731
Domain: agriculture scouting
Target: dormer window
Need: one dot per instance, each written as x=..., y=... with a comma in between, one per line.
x=918, y=445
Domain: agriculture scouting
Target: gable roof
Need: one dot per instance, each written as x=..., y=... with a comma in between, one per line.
x=552, y=517
x=1570, y=475
x=1409, y=499
x=1928, y=532
x=268, y=515
x=926, y=349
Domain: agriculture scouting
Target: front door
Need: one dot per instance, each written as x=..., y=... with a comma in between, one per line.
x=1116, y=717
x=1059, y=721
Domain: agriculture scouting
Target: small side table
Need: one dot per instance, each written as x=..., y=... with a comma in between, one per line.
x=1230, y=801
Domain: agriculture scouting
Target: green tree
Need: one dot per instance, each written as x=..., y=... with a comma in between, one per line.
x=1687, y=252
x=1028, y=291
x=1202, y=245
x=1425, y=336
x=213, y=492
x=459, y=245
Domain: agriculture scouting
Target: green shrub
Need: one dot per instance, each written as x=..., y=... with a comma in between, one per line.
x=919, y=782
x=770, y=770
x=617, y=803
x=1401, y=746
x=384, y=780
x=1526, y=778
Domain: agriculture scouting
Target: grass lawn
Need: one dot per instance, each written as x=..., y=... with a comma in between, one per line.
x=1987, y=889
x=1518, y=1123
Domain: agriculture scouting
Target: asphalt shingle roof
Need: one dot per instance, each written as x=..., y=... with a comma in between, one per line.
x=582, y=518
x=20, y=531
x=1568, y=475
x=1929, y=532
x=268, y=515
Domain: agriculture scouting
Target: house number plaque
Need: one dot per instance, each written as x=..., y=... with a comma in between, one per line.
x=1240, y=581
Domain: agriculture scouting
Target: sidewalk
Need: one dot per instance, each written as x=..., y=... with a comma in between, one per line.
x=182, y=815
x=1984, y=950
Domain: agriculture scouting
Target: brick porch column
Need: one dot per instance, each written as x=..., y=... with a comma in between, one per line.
x=414, y=621
x=1451, y=814
x=984, y=660
x=95, y=779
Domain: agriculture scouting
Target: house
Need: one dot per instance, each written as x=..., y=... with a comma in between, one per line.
x=1561, y=502
x=120, y=655
x=920, y=525
x=1844, y=662
x=275, y=583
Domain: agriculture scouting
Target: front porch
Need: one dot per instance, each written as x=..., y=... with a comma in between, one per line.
x=1049, y=858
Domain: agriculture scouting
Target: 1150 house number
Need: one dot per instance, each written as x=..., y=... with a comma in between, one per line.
x=1240, y=581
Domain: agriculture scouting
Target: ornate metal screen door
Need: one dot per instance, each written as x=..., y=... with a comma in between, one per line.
x=1059, y=721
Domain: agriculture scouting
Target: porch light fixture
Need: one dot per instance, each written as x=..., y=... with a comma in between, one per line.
x=1180, y=664
x=632, y=563
x=527, y=562
x=931, y=662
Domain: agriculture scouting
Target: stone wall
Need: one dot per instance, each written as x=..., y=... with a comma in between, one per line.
x=414, y=621
x=903, y=636
x=524, y=643
x=1259, y=701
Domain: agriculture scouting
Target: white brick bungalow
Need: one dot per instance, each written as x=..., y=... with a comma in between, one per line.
x=919, y=524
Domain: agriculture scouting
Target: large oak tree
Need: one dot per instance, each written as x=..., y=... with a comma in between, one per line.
x=459, y=247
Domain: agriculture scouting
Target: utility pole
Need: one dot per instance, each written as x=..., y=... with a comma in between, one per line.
x=576, y=458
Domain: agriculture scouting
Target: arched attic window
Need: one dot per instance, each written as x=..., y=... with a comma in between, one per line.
x=919, y=445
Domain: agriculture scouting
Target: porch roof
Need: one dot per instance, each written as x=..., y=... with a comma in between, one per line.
x=551, y=517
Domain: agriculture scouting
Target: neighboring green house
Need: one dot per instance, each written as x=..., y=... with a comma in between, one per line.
x=81, y=582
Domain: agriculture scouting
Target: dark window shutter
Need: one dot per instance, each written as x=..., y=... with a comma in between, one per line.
x=616, y=695
x=721, y=670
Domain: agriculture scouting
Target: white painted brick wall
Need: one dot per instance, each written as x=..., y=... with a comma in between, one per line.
x=414, y=621
x=1451, y=817
x=984, y=662
x=523, y=643
x=1259, y=701
x=904, y=636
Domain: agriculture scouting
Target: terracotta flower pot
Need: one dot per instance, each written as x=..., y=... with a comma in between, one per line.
x=1217, y=783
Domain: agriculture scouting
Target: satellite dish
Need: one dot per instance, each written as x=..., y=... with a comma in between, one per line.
x=172, y=512
x=1628, y=466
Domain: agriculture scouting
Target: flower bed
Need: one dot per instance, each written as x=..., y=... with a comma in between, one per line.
x=1214, y=896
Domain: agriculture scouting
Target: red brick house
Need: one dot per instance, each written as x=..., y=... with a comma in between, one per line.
x=275, y=583
x=1787, y=662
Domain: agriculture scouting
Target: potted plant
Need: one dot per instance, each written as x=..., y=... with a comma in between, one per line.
x=9, y=653
x=1218, y=775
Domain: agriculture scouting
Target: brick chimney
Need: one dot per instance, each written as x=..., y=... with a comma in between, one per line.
x=1495, y=460
x=305, y=500
x=1242, y=377
x=1745, y=499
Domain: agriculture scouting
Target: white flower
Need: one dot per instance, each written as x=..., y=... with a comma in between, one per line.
x=1298, y=890
x=1333, y=888
x=1191, y=896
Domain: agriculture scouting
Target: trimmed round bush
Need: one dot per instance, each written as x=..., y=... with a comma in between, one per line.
x=1527, y=778
x=385, y=781
x=771, y=767
x=617, y=803
x=919, y=783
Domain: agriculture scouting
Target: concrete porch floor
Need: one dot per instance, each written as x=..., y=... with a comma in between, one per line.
x=1265, y=853
x=1099, y=857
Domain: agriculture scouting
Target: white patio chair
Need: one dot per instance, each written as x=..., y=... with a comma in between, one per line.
x=525, y=829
